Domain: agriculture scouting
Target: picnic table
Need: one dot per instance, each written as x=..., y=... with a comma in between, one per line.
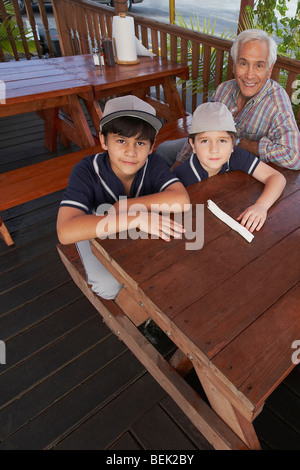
x=55, y=89
x=129, y=79
x=232, y=308
x=39, y=86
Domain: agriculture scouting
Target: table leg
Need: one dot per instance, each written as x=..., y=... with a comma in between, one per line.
x=95, y=112
x=50, y=118
x=5, y=234
x=230, y=415
x=76, y=128
x=173, y=99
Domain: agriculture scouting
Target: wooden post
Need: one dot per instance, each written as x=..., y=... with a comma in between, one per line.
x=172, y=11
x=244, y=3
x=60, y=10
x=120, y=6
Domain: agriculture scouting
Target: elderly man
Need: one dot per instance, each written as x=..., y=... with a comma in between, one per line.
x=261, y=108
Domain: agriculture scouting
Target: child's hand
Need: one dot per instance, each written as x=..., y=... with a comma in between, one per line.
x=160, y=225
x=253, y=217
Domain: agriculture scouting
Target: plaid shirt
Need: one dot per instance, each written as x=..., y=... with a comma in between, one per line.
x=268, y=118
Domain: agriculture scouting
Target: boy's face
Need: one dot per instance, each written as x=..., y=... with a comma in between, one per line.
x=126, y=154
x=213, y=149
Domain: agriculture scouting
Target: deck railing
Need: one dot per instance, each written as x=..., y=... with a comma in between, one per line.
x=81, y=24
x=27, y=29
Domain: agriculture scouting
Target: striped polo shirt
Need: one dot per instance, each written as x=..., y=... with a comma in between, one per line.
x=268, y=118
x=191, y=171
x=93, y=183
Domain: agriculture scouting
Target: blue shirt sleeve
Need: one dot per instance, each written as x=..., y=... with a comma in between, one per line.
x=243, y=160
x=80, y=191
x=160, y=174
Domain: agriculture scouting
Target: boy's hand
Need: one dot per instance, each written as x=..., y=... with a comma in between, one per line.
x=160, y=225
x=253, y=217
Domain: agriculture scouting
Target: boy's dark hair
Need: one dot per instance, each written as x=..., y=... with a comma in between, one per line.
x=233, y=136
x=129, y=126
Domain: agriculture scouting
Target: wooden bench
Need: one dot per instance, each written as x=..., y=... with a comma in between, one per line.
x=34, y=181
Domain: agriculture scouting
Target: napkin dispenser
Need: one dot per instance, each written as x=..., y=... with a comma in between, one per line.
x=108, y=51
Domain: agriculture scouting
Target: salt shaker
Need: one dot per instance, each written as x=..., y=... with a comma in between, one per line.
x=97, y=57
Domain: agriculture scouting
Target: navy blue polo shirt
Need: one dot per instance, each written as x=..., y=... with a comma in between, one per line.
x=191, y=171
x=92, y=182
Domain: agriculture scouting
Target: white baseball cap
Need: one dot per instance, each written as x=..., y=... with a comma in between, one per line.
x=212, y=116
x=132, y=106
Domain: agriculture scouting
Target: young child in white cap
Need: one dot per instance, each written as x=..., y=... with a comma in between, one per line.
x=91, y=204
x=212, y=137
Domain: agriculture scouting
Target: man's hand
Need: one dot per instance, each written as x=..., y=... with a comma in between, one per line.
x=250, y=145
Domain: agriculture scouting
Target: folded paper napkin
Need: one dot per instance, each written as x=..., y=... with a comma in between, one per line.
x=142, y=50
x=230, y=221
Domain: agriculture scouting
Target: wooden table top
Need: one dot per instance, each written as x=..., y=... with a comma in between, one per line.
x=232, y=305
x=38, y=79
x=83, y=67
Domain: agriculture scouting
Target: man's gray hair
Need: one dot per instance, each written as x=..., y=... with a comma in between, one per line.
x=255, y=35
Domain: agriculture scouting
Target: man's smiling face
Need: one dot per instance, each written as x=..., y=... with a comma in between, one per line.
x=252, y=69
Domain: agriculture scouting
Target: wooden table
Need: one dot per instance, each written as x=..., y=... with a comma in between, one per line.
x=53, y=87
x=232, y=308
x=39, y=85
x=129, y=79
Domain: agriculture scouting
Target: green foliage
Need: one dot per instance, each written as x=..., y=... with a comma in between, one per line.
x=10, y=24
x=286, y=29
x=196, y=85
x=271, y=16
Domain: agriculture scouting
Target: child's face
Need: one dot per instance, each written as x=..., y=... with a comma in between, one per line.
x=126, y=154
x=213, y=149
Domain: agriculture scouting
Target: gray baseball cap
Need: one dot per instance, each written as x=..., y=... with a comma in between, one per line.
x=212, y=116
x=132, y=106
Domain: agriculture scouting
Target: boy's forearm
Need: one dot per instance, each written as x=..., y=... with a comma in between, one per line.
x=74, y=226
x=171, y=200
x=273, y=188
x=78, y=228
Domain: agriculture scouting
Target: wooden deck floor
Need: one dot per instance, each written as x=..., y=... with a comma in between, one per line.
x=69, y=383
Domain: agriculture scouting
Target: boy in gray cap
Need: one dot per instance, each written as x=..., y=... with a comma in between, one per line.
x=213, y=137
x=92, y=205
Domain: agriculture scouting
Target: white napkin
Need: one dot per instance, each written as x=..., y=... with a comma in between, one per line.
x=142, y=50
x=230, y=221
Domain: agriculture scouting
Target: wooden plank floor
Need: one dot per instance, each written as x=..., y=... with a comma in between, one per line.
x=69, y=383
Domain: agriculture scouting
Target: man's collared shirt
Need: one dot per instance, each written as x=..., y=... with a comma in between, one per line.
x=268, y=118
